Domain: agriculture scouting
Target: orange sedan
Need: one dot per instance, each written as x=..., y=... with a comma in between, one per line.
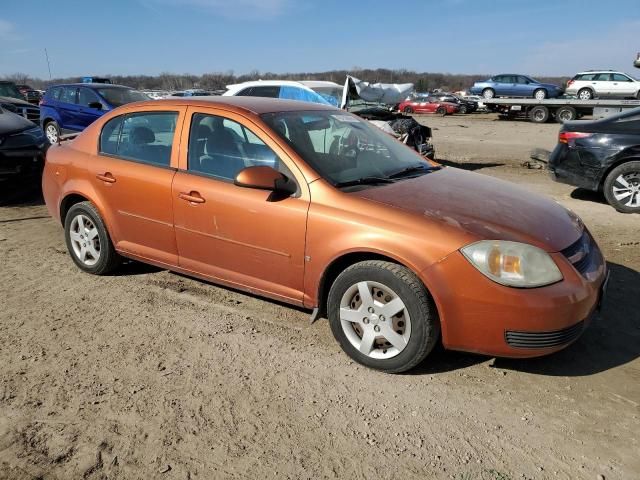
x=313, y=206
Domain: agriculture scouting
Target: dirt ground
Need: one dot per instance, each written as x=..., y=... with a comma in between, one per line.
x=149, y=374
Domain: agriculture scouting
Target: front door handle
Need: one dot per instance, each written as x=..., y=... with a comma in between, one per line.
x=106, y=177
x=192, y=197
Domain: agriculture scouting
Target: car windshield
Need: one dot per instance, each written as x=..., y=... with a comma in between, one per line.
x=10, y=90
x=343, y=148
x=121, y=96
x=333, y=95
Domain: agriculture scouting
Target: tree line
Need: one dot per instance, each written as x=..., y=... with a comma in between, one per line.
x=423, y=81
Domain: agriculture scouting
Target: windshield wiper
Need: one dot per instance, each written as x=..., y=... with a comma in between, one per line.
x=410, y=170
x=363, y=181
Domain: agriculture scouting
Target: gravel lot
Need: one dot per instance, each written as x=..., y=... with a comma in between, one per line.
x=149, y=374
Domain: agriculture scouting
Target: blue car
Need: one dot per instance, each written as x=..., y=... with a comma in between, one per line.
x=71, y=108
x=512, y=85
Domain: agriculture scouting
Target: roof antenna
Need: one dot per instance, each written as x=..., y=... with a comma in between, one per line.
x=48, y=65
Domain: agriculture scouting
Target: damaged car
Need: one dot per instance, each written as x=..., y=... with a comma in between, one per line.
x=22, y=147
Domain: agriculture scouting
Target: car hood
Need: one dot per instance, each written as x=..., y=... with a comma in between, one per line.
x=485, y=207
x=11, y=123
x=15, y=101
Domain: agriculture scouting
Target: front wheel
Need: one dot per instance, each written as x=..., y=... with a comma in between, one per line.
x=463, y=109
x=88, y=241
x=382, y=316
x=441, y=111
x=622, y=187
x=408, y=110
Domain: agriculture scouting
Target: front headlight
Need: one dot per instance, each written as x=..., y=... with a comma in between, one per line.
x=513, y=264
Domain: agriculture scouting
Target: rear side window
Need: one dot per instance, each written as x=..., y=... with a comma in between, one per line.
x=602, y=77
x=269, y=92
x=585, y=76
x=221, y=147
x=54, y=93
x=144, y=137
x=68, y=95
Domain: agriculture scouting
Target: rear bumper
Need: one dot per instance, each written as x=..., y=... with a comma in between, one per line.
x=565, y=167
x=478, y=315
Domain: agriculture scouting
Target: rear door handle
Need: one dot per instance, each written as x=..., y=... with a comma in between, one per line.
x=106, y=177
x=192, y=197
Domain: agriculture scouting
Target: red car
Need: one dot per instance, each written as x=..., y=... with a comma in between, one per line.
x=428, y=105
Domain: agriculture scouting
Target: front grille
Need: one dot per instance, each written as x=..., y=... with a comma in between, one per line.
x=584, y=255
x=544, y=339
x=30, y=113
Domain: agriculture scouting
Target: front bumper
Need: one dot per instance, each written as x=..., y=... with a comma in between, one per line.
x=478, y=315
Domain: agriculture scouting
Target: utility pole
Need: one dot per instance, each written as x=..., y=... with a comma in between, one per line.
x=48, y=65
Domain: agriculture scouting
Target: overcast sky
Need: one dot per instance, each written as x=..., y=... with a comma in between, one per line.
x=536, y=37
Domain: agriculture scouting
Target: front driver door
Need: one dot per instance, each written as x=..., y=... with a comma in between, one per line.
x=240, y=236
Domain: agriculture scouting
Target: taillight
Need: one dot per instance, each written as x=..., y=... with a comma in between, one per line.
x=565, y=137
x=570, y=82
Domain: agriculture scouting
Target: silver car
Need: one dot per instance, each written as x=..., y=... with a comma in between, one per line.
x=603, y=83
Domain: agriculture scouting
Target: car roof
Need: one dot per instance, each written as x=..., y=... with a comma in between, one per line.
x=89, y=85
x=319, y=83
x=255, y=105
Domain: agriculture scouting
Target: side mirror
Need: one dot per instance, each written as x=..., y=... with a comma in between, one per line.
x=96, y=105
x=264, y=178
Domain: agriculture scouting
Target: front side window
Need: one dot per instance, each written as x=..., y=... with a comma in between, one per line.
x=121, y=96
x=343, y=148
x=617, y=77
x=222, y=147
x=87, y=96
x=145, y=137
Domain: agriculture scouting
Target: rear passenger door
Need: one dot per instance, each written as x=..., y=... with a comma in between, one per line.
x=238, y=235
x=67, y=109
x=132, y=174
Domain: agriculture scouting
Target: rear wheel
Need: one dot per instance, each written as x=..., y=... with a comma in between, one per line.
x=539, y=114
x=382, y=316
x=441, y=111
x=585, y=94
x=88, y=241
x=463, y=108
x=566, y=114
x=622, y=187
x=540, y=94
x=52, y=131
x=488, y=93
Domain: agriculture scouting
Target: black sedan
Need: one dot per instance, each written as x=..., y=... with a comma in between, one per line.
x=602, y=155
x=22, y=147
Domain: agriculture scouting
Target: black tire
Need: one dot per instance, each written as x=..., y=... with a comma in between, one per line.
x=408, y=110
x=441, y=111
x=632, y=171
x=540, y=91
x=425, y=325
x=463, y=109
x=108, y=259
x=638, y=95
x=539, y=114
x=488, y=93
x=52, y=131
x=585, y=94
x=566, y=114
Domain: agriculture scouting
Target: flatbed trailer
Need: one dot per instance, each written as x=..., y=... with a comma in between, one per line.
x=561, y=109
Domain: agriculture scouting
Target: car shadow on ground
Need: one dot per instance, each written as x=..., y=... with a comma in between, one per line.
x=588, y=196
x=470, y=166
x=612, y=339
x=27, y=193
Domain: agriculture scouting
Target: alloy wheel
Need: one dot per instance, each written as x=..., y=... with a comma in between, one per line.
x=626, y=189
x=52, y=133
x=375, y=320
x=85, y=240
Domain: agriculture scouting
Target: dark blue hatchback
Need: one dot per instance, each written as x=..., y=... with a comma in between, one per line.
x=71, y=108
